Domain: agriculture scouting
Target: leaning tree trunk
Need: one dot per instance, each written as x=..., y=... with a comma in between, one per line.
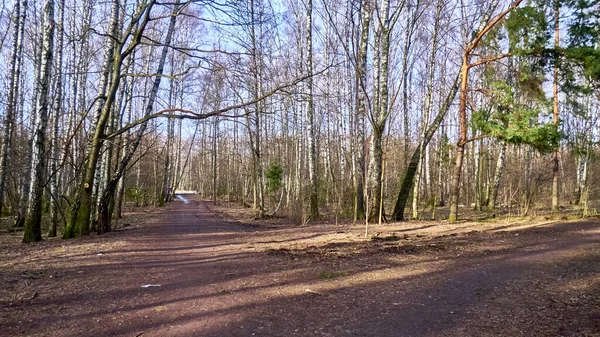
x=79, y=221
x=33, y=218
x=104, y=201
x=427, y=110
x=409, y=176
x=116, y=56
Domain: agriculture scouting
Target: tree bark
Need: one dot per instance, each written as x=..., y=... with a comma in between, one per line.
x=460, y=146
x=103, y=105
x=409, y=176
x=427, y=110
x=361, y=111
x=104, y=216
x=310, y=120
x=380, y=111
x=115, y=56
x=13, y=93
x=38, y=158
x=485, y=27
x=54, y=160
x=556, y=119
x=495, y=185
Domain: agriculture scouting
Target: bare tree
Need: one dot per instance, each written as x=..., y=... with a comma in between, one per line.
x=19, y=16
x=310, y=119
x=33, y=219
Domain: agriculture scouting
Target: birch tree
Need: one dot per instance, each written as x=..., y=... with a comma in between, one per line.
x=56, y=116
x=38, y=159
x=103, y=208
x=555, y=107
x=116, y=52
x=310, y=119
x=361, y=111
x=19, y=16
x=380, y=108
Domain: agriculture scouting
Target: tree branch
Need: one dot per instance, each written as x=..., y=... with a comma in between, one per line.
x=189, y=114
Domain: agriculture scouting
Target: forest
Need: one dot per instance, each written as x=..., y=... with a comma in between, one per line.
x=369, y=110
x=379, y=168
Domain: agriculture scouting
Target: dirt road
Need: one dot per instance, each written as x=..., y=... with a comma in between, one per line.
x=208, y=277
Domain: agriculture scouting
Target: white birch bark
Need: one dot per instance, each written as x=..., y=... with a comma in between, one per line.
x=495, y=185
x=19, y=17
x=103, y=209
x=310, y=119
x=427, y=109
x=57, y=112
x=38, y=157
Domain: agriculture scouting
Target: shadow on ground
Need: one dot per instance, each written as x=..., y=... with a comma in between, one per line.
x=542, y=281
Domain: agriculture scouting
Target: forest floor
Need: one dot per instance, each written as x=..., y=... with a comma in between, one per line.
x=181, y=271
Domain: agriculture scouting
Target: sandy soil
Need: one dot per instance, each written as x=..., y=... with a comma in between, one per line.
x=230, y=276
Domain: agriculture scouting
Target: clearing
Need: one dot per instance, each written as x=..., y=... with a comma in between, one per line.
x=180, y=271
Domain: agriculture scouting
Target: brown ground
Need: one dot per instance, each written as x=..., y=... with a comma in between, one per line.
x=221, y=278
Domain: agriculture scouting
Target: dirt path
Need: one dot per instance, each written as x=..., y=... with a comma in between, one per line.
x=222, y=279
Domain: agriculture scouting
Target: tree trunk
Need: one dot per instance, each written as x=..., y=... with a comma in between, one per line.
x=25, y=177
x=409, y=176
x=427, y=110
x=583, y=186
x=215, y=157
x=104, y=216
x=555, y=163
x=495, y=185
x=110, y=66
x=380, y=111
x=125, y=150
x=460, y=146
x=54, y=160
x=485, y=26
x=13, y=94
x=406, y=79
x=361, y=111
x=164, y=195
x=114, y=62
x=310, y=120
x=376, y=169
x=255, y=126
x=527, y=195
x=38, y=158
